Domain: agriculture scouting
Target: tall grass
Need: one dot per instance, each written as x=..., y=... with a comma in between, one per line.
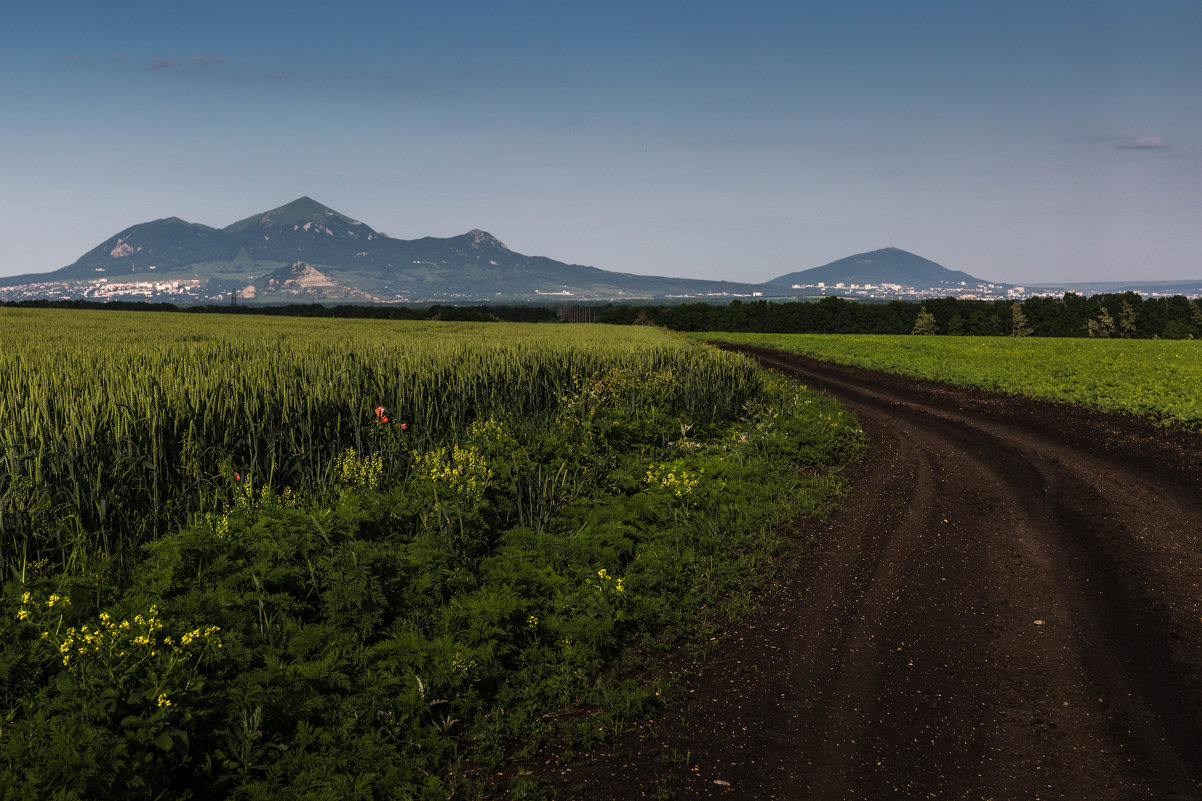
x=116, y=427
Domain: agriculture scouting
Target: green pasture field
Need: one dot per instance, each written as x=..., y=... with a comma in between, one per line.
x=279, y=558
x=1157, y=379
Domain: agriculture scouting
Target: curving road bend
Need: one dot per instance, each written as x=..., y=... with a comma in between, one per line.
x=1008, y=605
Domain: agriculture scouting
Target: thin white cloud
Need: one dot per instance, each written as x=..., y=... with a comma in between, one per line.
x=199, y=59
x=1143, y=143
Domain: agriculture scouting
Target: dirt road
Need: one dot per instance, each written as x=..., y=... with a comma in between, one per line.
x=1008, y=605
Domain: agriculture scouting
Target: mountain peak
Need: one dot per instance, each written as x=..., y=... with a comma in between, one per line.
x=302, y=212
x=303, y=204
x=303, y=209
x=886, y=265
x=481, y=239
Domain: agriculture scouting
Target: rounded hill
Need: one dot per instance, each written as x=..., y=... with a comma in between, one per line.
x=885, y=266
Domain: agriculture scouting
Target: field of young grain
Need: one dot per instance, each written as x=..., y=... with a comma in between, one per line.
x=1158, y=379
x=268, y=558
x=116, y=427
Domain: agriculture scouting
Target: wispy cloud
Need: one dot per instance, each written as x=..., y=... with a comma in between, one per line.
x=1143, y=143
x=199, y=59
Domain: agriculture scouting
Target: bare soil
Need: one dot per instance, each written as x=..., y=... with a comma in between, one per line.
x=1008, y=605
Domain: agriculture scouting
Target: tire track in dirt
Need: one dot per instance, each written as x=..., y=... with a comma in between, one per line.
x=1007, y=605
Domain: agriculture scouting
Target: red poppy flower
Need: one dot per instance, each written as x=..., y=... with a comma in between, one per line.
x=404, y=426
x=237, y=476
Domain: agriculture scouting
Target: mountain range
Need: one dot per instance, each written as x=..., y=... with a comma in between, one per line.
x=307, y=252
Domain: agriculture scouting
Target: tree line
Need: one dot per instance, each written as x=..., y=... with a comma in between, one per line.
x=1125, y=315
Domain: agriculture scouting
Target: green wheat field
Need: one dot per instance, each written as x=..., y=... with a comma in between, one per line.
x=255, y=557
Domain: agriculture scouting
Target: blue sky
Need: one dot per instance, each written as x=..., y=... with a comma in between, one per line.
x=1019, y=141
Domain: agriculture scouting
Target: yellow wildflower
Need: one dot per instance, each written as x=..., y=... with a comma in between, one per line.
x=462, y=664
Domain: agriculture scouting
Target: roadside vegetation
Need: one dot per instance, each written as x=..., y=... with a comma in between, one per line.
x=1160, y=380
x=267, y=558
